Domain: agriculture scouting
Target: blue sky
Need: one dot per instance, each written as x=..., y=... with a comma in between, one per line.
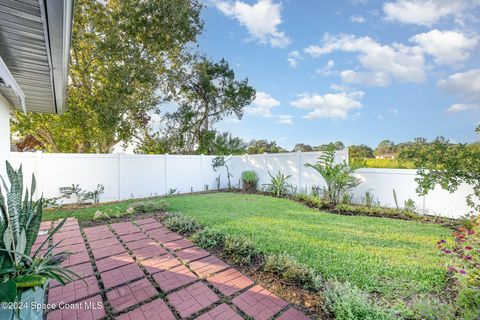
x=358, y=71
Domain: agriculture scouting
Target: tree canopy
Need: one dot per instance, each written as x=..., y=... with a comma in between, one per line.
x=121, y=56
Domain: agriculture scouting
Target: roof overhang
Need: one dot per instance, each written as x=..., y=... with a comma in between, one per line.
x=35, y=48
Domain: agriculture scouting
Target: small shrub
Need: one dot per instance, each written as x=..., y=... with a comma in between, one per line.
x=311, y=201
x=292, y=271
x=347, y=302
x=239, y=250
x=431, y=308
x=181, y=223
x=249, y=181
x=209, y=238
x=377, y=211
x=149, y=206
x=464, y=265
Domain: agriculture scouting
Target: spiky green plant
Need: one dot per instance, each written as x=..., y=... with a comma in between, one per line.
x=249, y=181
x=20, y=218
x=278, y=185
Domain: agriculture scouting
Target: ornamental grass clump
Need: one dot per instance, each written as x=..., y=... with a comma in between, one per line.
x=249, y=181
x=464, y=266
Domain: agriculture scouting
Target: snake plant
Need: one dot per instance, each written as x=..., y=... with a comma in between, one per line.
x=20, y=218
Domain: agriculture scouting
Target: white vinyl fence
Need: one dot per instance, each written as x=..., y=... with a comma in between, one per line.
x=138, y=176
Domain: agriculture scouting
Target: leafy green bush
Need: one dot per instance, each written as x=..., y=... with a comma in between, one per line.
x=239, y=250
x=278, y=185
x=209, y=238
x=311, y=201
x=180, y=223
x=338, y=177
x=148, y=206
x=249, y=181
x=377, y=211
x=292, y=271
x=347, y=302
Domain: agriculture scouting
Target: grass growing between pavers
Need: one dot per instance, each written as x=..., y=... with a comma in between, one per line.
x=393, y=258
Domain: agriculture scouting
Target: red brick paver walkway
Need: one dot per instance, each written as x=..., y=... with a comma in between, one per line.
x=141, y=270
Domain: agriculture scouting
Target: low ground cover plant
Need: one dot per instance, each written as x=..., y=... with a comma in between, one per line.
x=149, y=206
x=180, y=223
x=239, y=250
x=209, y=238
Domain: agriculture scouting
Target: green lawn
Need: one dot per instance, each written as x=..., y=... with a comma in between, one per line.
x=392, y=257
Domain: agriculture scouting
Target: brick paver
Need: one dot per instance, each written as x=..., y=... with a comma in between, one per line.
x=82, y=270
x=127, y=286
x=91, y=309
x=75, y=259
x=192, y=299
x=151, y=226
x=156, y=309
x=102, y=243
x=230, y=281
x=148, y=252
x=142, y=222
x=64, y=242
x=97, y=233
x=130, y=294
x=133, y=237
x=113, y=262
x=293, y=314
x=259, y=303
x=121, y=275
x=207, y=266
x=174, y=278
x=221, y=312
x=108, y=251
x=178, y=244
x=73, y=291
x=142, y=243
x=161, y=263
x=125, y=228
x=191, y=254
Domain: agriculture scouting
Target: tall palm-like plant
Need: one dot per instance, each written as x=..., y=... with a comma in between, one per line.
x=20, y=218
x=338, y=177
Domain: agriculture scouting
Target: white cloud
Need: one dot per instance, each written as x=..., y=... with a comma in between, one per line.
x=327, y=69
x=393, y=111
x=261, y=19
x=330, y=105
x=284, y=119
x=262, y=105
x=293, y=58
x=466, y=86
x=447, y=47
x=459, y=107
x=425, y=12
x=357, y=19
x=397, y=61
x=380, y=78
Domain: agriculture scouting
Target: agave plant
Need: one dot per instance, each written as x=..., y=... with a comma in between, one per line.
x=20, y=218
x=278, y=185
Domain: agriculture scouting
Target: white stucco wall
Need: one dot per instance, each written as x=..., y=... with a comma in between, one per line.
x=4, y=133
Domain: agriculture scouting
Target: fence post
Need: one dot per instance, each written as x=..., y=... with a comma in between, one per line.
x=299, y=166
x=119, y=176
x=39, y=173
x=202, y=175
x=165, y=172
